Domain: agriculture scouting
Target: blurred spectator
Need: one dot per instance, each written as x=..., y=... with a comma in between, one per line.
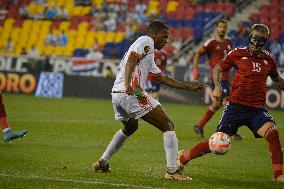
x=109, y=73
x=63, y=39
x=33, y=53
x=24, y=51
x=177, y=43
x=24, y=12
x=275, y=49
x=9, y=47
x=129, y=32
x=83, y=2
x=281, y=59
x=243, y=31
x=47, y=65
x=110, y=24
x=62, y=13
x=51, y=39
x=39, y=2
x=140, y=7
x=95, y=54
x=51, y=12
x=3, y=11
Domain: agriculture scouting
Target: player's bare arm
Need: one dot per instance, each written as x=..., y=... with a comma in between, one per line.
x=217, y=93
x=180, y=85
x=130, y=65
x=196, y=58
x=201, y=51
x=278, y=81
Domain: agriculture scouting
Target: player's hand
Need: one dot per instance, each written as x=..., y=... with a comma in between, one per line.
x=195, y=73
x=128, y=89
x=198, y=86
x=217, y=93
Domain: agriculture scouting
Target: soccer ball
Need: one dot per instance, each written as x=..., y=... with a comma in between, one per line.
x=219, y=143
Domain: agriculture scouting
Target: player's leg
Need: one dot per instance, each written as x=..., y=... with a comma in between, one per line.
x=158, y=118
x=263, y=125
x=225, y=94
x=121, y=104
x=8, y=133
x=229, y=124
x=236, y=135
x=115, y=144
x=270, y=132
x=215, y=106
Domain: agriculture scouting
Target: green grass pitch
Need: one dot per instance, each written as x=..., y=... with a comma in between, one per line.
x=67, y=135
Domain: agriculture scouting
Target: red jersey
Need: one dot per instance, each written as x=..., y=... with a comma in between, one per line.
x=160, y=58
x=251, y=72
x=216, y=51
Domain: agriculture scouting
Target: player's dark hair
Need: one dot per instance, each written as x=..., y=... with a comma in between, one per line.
x=260, y=28
x=156, y=26
x=221, y=21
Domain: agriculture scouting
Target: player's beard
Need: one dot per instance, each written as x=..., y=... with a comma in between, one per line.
x=222, y=35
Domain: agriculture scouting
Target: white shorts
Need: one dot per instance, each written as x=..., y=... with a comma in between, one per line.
x=126, y=106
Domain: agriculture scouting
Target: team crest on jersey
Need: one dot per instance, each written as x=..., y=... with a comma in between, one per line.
x=265, y=62
x=146, y=49
x=217, y=47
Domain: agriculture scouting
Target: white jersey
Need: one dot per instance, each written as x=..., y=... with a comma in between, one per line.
x=144, y=47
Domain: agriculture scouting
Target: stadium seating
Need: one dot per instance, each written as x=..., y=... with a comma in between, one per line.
x=270, y=14
x=185, y=20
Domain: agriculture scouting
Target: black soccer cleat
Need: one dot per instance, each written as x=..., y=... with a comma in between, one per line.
x=199, y=131
x=237, y=136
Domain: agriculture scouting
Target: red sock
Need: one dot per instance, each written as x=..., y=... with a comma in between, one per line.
x=3, y=120
x=275, y=149
x=4, y=123
x=206, y=118
x=199, y=150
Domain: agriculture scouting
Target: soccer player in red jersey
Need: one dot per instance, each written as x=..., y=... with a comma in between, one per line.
x=131, y=101
x=8, y=133
x=246, y=103
x=216, y=49
x=153, y=87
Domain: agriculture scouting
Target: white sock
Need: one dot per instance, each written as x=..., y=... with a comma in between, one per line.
x=6, y=130
x=116, y=142
x=171, y=148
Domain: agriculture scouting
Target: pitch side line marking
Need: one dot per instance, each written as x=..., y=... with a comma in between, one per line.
x=77, y=181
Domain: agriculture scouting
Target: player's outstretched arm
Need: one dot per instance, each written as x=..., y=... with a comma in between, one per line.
x=181, y=85
x=201, y=51
x=278, y=81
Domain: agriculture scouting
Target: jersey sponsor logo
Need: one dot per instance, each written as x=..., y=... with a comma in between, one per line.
x=244, y=58
x=265, y=62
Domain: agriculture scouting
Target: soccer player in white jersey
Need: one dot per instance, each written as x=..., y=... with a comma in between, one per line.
x=131, y=101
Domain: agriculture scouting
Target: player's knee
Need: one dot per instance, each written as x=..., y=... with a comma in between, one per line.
x=216, y=105
x=129, y=131
x=169, y=126
x=271, y=135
